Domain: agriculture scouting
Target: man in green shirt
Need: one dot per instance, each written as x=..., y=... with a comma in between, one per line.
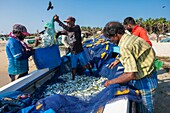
x=137, y=57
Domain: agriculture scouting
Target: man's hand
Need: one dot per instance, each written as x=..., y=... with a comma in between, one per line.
x=114, y=64
x=32, y=49
x=56, y=18
x=107, y=83
x=38, y=38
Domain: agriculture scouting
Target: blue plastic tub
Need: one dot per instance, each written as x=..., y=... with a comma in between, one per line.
x=48, y=57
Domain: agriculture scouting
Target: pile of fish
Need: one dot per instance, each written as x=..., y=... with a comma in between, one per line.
x=83, y=86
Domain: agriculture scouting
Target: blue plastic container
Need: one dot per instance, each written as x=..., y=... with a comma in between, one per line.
x=48, y=57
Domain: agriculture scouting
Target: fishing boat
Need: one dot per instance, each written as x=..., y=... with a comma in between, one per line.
x=34, y=80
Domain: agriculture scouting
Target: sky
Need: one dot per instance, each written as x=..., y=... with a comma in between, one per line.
x=94, y=13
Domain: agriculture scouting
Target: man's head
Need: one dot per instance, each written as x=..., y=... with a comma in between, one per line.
x=70, y=21
x=114, y=31
x=20, y=31
x=129, y=23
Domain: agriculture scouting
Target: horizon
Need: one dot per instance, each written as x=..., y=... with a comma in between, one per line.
x=95, y=13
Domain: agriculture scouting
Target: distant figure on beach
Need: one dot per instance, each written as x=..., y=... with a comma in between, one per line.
x=130, y=25
x=18, y=52
x=74, y=40
x=137, y=57
x=66, y=44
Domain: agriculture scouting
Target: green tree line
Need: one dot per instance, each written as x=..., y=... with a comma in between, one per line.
x=157, y=26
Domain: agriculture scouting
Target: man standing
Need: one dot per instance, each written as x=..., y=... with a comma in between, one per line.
x=137, y=57
x=130, y=25
x=18, y=52
x=74, y=40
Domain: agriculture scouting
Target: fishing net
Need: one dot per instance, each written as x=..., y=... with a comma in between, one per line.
x=49, y=34
x=72, y=104
x=11, y=102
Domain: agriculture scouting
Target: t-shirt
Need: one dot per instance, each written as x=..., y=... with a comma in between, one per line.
x=74, y=37
x=140, y=32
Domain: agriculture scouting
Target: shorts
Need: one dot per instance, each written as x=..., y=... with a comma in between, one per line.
x=80, y=57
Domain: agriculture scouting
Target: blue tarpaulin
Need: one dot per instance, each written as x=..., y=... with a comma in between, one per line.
x=166, y=40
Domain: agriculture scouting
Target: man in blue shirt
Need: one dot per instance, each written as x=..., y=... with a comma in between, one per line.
x=18, y=52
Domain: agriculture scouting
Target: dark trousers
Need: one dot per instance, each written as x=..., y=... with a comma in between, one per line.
x=20, y=75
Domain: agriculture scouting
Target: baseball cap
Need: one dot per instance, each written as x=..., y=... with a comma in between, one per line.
x=70, y=19
x=21, y=28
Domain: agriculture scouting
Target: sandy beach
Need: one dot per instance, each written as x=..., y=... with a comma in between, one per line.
x=163, y=97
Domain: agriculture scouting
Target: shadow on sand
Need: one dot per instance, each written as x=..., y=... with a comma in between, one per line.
x=163, y=93
x=161, y=71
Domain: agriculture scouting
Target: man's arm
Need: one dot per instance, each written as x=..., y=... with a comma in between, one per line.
x=69, y=29
x=61, y=33
x=113, y=64
x=129, y=63
x=125, y=77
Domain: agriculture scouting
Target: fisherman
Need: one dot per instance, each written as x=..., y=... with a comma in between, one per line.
x=18, y=52
x=130, y=25
x=74, y=40
x=138, y=58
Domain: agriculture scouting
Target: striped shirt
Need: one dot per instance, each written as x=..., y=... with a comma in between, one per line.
x=136, y=55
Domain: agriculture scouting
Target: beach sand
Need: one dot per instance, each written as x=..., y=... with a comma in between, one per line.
x=163, y=97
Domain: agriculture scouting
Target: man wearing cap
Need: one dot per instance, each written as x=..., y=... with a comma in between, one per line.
x=18, y=52
x=74, y=40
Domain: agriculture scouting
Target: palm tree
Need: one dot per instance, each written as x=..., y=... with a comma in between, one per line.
x=162, y=22
x=139, y=21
